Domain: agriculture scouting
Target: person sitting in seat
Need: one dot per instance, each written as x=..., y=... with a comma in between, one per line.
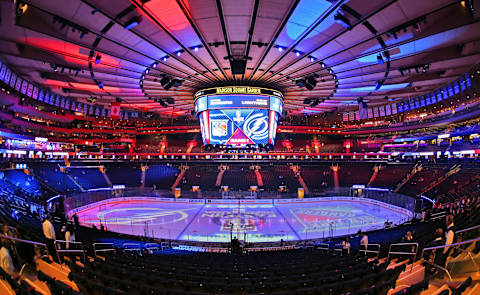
x=346, y=246
x=6, y=262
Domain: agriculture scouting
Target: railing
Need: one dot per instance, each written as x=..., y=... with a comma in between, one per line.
x=412, y=253
x=70, y=243
x=35, y=244
x=463, y=231
x=438, y=215
x=338, y=248
x=366, y=250
x=110, y=249
x=152, y=247
x=132, y=247
x=455, y=246
x=322, y=246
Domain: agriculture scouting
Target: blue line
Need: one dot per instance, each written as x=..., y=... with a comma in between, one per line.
x=194, y=217
x=286, y=220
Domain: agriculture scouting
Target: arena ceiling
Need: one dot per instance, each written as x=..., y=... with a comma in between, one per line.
x=381, y=50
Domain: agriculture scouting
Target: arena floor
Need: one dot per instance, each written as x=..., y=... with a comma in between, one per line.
x=252, y=220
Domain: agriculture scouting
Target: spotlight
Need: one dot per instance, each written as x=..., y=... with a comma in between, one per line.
x=143, y=77
x=312, y=59
x=177, y=83
x=297, y=53
x=401, y=72
x=380, y=59
x=98, y=59
x=330, y=71
x=312, y=81
x=162, y=103
x=323, y=65
x=154, y=65
x=83, y=34
x=100, y=85
x=165, y=58
x=300, y=82
x=280, y=48
x=178, y=53
x=196, y=48
x=378, y=85
x=343, y=20
x=147, y=70
x=133, y=22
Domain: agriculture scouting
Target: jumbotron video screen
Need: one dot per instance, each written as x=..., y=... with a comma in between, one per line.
x=238, y=116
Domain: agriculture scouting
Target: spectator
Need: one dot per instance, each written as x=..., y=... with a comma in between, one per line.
x=437, y=256
x=49, y=233
x=6, y=262
x=69, y=235
x=449, y=234
x=408, y=238
x=363, y=241
x=346, y=246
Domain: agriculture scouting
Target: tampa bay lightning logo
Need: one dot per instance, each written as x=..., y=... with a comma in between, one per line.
x=256, y=127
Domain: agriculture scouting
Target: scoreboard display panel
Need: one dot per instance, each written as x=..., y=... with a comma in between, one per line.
x=238, y=116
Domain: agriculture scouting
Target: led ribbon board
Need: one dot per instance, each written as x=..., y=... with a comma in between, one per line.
x=238, y=116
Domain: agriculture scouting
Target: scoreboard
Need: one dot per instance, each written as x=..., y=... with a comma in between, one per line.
x=238, y=116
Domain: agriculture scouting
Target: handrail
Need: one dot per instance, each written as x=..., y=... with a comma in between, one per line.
x=28, y=242
x=451, y=245
x=322, y=246
x=23, y=241
x=403, y=253
x=440, y=267
x=467, y=229
x=371, y=251
x=469, y=254
x=102, y=250
x=82, y=250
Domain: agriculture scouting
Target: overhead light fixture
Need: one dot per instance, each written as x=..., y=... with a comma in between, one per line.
x=179, y=53
x=315, y=103
x=312, y=59
x=177, y=83
x=342, y=20
x=98, y=59
x=323, y=65
x=196, y=48
x=297, y=53
x=378, y=85
x=280, y=48
x=380, y=59
x=147, y=70
x=100, y=85
x=312, y=81
x=83, y=34
x=307, y=101
x=154, y=65
x=300, y=82
x=133, y=22
x=165, y=58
